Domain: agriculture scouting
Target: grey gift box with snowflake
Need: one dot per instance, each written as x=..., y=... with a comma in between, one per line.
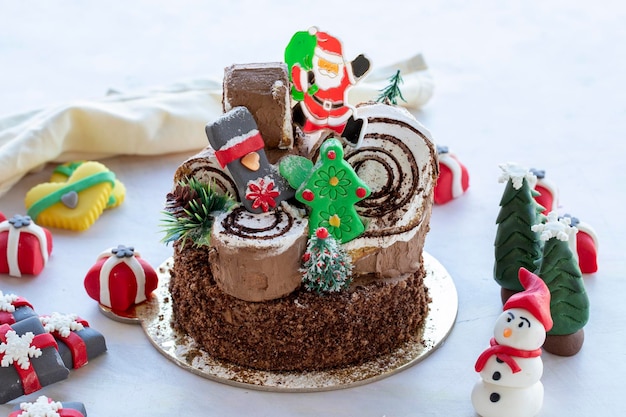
x=29, y=359
x=77, y=341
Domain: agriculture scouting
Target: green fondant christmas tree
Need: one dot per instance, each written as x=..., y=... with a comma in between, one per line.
x=516, y=245
x=559, y=269
x=327, y=267
x=331, y=189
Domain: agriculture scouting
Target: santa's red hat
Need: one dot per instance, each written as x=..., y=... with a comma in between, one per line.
x=328, y=47
x=535, y=298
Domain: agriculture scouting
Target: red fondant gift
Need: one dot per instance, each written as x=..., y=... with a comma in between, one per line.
x=24, y=246
x=586, y=246
x=548, y=196
x=120, y=279
x=453, y=178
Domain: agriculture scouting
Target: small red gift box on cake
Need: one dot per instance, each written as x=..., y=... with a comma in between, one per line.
x=78, y=343
x=45, y=407
x=24, y=246
x=28, y=359
x=120, y=279
x=14, y=308
x=453, y=178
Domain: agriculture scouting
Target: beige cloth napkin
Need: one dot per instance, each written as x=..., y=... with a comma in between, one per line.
x=154, y=122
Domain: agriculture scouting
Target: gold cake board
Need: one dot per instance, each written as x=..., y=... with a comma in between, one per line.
x=155, y=317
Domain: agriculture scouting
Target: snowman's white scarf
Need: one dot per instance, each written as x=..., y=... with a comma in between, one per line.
x=506, y=354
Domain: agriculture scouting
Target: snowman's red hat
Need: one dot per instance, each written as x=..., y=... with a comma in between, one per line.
x=535, y=298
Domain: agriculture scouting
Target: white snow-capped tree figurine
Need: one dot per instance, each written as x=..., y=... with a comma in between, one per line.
x=61, y=323
x=511, y=368
x=18, y=349
x=43, y=407
x=516, y=245
x=6, y=302
x=327, y=267
x=558, y=267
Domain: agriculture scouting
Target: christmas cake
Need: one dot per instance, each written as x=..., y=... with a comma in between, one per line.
x=313, y=261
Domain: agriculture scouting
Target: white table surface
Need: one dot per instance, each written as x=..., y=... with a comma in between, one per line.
x=539, y=83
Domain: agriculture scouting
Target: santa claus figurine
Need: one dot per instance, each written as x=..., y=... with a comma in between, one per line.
x=511, y=368
x=320, y=78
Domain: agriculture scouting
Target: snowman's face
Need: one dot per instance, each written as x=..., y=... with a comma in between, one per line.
x=518, y=328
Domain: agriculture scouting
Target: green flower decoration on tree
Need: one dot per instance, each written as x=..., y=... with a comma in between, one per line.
x=337, y=221
x=333, y=182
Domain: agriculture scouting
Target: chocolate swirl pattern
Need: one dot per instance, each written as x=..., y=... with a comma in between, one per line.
x=205, y=168
x=266, y=226
x=392, y=160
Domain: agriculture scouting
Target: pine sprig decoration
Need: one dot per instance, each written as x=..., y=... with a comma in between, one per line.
x=191, y=212
x=327, y=267
x=392, y=92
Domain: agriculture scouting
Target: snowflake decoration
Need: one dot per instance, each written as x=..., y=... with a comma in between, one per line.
x=63, y=324
x=516, y=174
x=123, y=251
x=18, y=349
x=6, y=302
x=20, y=221
x=555, y=227
x=262, y=193
x=43, y=407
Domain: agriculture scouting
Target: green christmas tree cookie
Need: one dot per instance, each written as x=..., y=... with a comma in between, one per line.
x=331, y=189
x=516, y=245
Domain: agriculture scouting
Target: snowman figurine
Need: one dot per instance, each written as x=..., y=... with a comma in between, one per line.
x=511, y=368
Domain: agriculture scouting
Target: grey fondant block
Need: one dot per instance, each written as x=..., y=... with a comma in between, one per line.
x=47, y=366
x=94, y=344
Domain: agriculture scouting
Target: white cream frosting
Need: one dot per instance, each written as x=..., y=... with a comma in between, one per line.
x=419, y=142
x=259, y=222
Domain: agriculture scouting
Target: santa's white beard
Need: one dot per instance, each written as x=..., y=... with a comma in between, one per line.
x=326, y=80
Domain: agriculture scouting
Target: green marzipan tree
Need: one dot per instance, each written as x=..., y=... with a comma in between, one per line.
x=516, y=245
x=559, y=269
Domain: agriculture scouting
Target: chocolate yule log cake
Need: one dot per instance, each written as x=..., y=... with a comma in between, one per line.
x=311, y=258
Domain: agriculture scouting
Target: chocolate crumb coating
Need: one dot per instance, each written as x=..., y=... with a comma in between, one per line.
x=304, y=331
